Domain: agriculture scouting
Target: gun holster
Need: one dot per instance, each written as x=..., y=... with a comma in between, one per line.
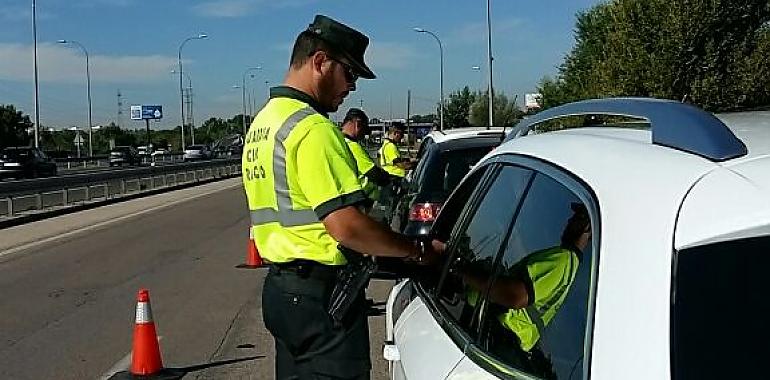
x=352, y=279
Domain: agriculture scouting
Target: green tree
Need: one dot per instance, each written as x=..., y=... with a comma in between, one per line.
x=505, y=111
x=13, y=126
x=430, y=118
x=457, y=110
x=712, y=51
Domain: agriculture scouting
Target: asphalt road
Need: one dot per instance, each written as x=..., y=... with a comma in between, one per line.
x=69, y=284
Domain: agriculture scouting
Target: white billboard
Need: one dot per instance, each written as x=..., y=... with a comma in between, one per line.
x=532, y=101
x=136, y=112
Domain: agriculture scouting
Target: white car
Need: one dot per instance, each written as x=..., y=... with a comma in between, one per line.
x=665, y=279
x=196, y=152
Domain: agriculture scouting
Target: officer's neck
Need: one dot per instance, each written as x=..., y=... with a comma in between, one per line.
x=302, y=80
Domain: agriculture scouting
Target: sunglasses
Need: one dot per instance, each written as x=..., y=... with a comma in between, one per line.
x=350, y=76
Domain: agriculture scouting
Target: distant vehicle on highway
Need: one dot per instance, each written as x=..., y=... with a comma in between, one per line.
x=196, y=152
x=124, y=155
x=160, y=152
x=25, y=162
x=144, y=150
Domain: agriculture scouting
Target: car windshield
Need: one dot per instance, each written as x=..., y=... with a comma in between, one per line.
x=445, y=169
x=720, y=304
x=195, y=147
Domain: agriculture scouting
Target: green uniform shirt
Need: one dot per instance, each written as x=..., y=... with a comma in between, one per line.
x=388, y=154
x=552, y=272
x=364, y=164
x=296, y=170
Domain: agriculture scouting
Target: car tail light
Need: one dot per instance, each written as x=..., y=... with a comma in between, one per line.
x=424, y=212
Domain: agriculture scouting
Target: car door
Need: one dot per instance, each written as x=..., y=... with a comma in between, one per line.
x=418, y=338
x=437, y=327
x=553, y=245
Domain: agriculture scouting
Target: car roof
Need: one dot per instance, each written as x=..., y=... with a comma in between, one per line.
x=468, y=142
x=655, y=182
x=753, y=128
x=459, y=133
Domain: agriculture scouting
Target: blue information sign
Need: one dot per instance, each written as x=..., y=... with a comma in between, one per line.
x=152, y=112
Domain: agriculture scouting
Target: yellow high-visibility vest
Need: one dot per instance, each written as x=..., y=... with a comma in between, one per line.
x=364, y=164
x=387, y=154
x=296, y=170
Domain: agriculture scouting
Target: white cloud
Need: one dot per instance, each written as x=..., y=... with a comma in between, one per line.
x=61, y=64
x=389, y=55
x=238, y=8
x=474, y=33
x=225, y=8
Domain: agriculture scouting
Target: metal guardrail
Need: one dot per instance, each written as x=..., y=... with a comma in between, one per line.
x=103, y=161
x=21, y=197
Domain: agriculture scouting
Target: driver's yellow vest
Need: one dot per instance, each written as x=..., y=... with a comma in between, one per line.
x=296, y=166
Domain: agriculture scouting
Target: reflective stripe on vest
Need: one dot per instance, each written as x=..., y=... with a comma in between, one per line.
x=285, y=215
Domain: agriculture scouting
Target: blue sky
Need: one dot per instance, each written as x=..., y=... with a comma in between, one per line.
x=133, y=47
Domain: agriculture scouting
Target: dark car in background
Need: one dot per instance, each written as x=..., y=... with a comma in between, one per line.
x=25, y=162
x=444, y=160
x=124, y=155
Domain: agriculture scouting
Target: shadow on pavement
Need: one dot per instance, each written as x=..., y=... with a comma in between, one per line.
x=178, y=373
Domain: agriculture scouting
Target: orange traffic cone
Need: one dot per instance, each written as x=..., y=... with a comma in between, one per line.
x=145, y=356
x=253, y=260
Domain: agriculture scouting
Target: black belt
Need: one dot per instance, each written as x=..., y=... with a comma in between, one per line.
x=306, y=269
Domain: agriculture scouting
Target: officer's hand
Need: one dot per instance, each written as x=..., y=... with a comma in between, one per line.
x=431, y=252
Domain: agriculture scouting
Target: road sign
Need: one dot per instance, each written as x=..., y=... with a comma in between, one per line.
x=78, y=139
x=145, y=112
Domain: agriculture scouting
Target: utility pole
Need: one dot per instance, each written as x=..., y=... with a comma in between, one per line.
x=188, y=101
x=120, y=109
x=489, y=56
x=37, y=87
x=408, y=110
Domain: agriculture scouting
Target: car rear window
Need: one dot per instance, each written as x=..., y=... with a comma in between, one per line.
x=447, y=168
x=720, y=327
x=15, y=153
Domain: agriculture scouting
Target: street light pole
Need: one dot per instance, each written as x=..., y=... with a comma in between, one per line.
x=181, y=91
x=489, y=55
x=243, y=97
x=190, y=111
x=88, y=85
x=37, y=87
x=441, y=75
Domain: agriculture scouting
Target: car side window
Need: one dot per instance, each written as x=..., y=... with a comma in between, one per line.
x=426, y=143
x=536, y=305
x=475, y=246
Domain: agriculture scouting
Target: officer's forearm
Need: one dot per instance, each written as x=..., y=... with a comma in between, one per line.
x=356, y=231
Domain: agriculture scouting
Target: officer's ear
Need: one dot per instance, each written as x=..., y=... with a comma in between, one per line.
x=318, y=61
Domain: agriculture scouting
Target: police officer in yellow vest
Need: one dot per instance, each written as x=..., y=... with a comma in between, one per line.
x=532, y=294
x=304, y=194
x=391, y=161
x=389, y=155
x=354, y=127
